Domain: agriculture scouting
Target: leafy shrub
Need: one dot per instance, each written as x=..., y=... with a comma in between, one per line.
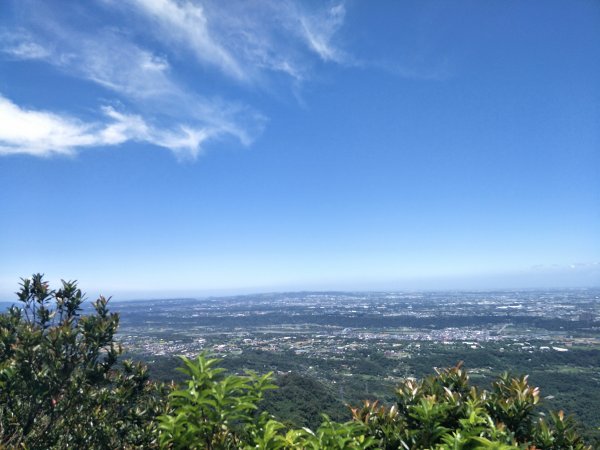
x=60, y=382
x=444, y=412
x=218, y=411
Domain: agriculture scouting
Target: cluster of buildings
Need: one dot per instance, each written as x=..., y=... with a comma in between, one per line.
x=331, y=324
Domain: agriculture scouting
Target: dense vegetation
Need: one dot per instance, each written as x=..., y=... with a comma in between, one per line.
x=60, y=382
x=569, y=380
x=62, y=386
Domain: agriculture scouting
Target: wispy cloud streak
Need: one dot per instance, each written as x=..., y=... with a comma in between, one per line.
x=186, y=24
x=138, y=75
x=319, y=31
x=44, y=133
x=248, y=42
x=21, y=45
x=247, y=38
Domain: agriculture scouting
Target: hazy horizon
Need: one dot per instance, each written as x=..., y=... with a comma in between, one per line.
x=563, y=280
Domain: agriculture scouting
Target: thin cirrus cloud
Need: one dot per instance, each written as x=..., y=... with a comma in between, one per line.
x=20, y=45
x=247, y=38
x=246, y=42
x=319, y=33
x=186, y=24
x=134, y=74
x=139, y=76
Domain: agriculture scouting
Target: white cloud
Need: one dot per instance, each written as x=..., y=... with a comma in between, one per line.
x=39, y=133
x=246, y=38
x=106, y=58
x=123, y=67
x=144, y=78
x=319, y=30
x=123, y=128
x=43, y=133
x=186, y=24
x=21, y=45
x=247, y=41
x=185, y=142
x=27, y=50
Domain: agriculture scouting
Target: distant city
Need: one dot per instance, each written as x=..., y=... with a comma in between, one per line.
x=330, y=324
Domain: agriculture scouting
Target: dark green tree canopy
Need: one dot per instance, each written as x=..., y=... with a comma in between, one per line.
x=60, y=382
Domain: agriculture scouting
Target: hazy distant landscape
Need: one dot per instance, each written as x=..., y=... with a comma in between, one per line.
x=358, y=345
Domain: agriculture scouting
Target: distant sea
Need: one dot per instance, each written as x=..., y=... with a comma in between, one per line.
x=4, y=305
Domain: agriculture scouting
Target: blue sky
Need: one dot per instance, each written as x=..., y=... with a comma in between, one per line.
x=186, y=147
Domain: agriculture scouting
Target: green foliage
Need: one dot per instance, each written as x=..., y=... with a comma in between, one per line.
x=60, y=384
x=213, y=411
x=444, y=412
x=300, y=400
x=218, y=411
